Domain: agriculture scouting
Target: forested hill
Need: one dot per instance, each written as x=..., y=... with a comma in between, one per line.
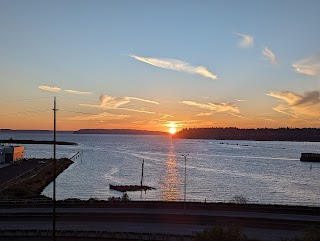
x=119, y=131
x=261, y=134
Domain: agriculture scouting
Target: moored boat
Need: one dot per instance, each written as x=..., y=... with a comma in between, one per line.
x=130, y=188
x=310, y=157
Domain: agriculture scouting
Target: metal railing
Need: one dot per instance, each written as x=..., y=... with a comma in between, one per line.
x=109, y=234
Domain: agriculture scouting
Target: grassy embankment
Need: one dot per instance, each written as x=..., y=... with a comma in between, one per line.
x=233, y=233
x=34, y=182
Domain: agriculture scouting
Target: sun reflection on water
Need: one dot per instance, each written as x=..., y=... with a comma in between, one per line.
x=172, y=182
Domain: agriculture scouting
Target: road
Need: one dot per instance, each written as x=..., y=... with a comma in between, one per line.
x=262, y=225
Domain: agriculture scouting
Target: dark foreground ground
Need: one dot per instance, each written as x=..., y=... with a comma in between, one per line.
x=146, y=223
x=117, y=219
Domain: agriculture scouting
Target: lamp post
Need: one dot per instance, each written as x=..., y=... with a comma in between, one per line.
x=54, y=172
x=185, y=180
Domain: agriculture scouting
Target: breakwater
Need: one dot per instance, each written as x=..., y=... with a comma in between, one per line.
x=38, y=142
x=29, y=180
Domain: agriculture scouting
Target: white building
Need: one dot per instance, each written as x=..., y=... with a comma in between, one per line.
x=10, y=154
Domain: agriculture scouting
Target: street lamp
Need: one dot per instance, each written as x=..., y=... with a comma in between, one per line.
x=185, y=179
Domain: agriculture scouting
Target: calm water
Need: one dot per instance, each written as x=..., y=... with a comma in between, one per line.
x=263, y=172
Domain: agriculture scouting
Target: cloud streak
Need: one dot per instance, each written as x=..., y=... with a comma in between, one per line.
x=216, y=107
x=49, y=88
x=309, y=66
x=117, y=103
x=57, y=89
x=294, y=104
x=247, y=40
x=177, y=65
x=76, y=92
x=98, y=117
x=269, y=55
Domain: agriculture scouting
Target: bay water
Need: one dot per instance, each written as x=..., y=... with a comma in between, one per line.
x=216, y=170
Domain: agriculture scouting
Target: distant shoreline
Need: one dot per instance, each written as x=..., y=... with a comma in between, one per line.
x=90, y=131
x=120, y=132
x=223, y=134
x=260, y=134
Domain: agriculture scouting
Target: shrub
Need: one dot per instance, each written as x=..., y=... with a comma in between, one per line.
x=239, y=199
x=218, y=233
x=312, y=234
x=125, y=197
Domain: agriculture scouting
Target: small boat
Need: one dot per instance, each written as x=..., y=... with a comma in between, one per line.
x=310, y=157
x=132, y=188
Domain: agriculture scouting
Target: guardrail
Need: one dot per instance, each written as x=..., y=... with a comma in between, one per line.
x=77, y=156
x=114, y=235
x=92, y=203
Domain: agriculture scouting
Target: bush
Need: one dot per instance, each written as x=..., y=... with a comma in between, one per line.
x=125, y=197
x=239, y=199
x=218, y=233
x=311, y=234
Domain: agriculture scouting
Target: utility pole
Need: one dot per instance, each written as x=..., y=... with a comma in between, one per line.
x=185, y=180
x=142, y=172
x=54, y=171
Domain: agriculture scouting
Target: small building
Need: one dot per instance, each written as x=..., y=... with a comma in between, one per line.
x=11, y=154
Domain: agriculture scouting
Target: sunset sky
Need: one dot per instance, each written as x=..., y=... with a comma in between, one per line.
x=155, y=65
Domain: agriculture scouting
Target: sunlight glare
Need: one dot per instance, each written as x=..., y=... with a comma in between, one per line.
x=172, y=130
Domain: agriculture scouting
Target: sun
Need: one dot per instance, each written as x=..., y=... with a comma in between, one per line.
x=172, y=130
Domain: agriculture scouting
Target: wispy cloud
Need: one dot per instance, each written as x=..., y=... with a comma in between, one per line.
x=111, y=102
x=246, y=41
x=309, y=66
x=295, y=104
x=169, y=123
x=165, y=116
x=76, y=92
x=142, y=110
x=216, y=107
x=270, y=55
x=115, y=102
x=98, y=117
x=57, y=89
x=49, y=88
x=177, y=65
x=205, y=114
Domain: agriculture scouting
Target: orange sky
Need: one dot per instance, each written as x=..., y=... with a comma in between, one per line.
x=158, y=65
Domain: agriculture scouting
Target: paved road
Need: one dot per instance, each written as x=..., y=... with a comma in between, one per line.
x=181, y=229
x=92, y=211
x=266, y=226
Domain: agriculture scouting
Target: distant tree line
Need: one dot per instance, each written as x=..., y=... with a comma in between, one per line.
x=260, y=134
x=119, y=131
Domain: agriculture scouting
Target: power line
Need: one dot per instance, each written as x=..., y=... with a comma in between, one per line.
x=78, y=112
x=70, y=98
x=19, y=100
x=25, y=112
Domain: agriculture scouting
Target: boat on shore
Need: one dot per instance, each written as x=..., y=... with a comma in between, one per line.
x=310, y=157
